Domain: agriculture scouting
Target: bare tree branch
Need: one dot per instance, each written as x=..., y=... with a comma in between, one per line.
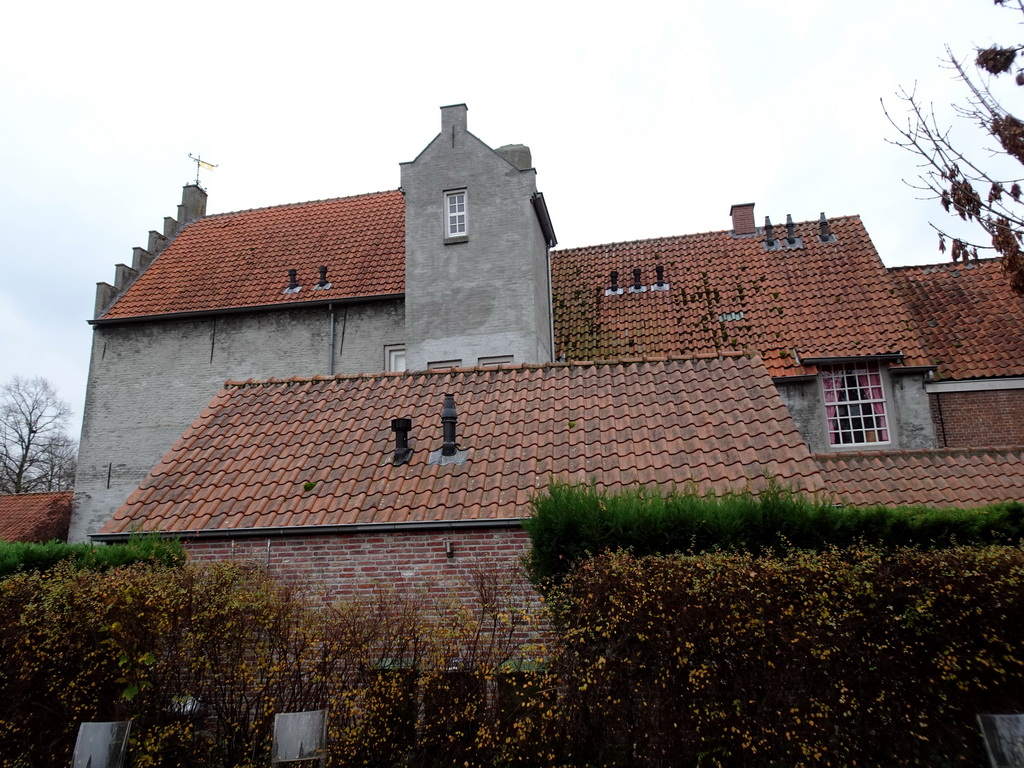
x=970, y=183
x=36, y=453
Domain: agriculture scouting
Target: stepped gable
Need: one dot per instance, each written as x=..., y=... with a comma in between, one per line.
x=37, y=517
x=728, y=292
x=241, y=259
x=970, y=319
x=279, y=454
x=956, y=477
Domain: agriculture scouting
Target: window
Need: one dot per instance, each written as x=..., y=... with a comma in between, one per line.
x=855, y=404
x=455, y=212
x=488, y=362
x=437, y=364
x=394, y=357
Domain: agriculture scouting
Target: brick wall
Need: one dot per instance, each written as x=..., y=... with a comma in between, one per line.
x=977, y=419
x=343, y=566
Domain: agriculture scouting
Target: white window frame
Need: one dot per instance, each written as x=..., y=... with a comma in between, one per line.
x=394, y=358
x=857, y=411
x=456, y=214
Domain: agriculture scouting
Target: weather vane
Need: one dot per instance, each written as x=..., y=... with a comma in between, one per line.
x=200, y=163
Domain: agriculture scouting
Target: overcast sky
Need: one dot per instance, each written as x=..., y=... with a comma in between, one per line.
x=644, y=120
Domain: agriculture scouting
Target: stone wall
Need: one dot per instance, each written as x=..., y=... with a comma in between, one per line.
x=148, y=381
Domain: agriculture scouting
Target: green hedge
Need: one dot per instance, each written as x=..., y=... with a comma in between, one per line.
x=572, y=522
x=21, y=556
x=840, y=658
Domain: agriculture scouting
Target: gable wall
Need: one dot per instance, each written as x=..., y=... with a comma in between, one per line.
x=490, y=294
x=149, y=381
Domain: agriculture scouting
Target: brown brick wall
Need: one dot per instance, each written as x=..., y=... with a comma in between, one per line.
x=344, y=566
x=978, y=419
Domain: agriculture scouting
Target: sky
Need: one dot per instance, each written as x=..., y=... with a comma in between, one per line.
x=644, y=120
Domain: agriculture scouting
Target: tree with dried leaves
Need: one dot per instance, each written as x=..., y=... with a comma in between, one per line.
x=981, y=186
x=36, y=452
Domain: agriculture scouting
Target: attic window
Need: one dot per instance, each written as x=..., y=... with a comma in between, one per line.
x=491, y=362
x=855, y=409
x=439, y=364
x=394, y=357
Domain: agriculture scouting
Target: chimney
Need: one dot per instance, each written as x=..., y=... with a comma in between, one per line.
x=453, y=121
x=743, y=219
x=448, y=419
x=401, y=429
x=517, y=154
x=193, y=204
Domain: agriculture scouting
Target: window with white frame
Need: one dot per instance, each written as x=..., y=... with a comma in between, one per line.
x=855, y=409
x=394, y=357
x=455, y=207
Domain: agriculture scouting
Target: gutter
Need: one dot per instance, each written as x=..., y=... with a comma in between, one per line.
x=318, y=530
x=199, y=313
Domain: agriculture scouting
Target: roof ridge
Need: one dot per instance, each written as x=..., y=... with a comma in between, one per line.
x=619, y=243
x=295, y=204
x=36, y=493
x=967, y=264
x=238, y=384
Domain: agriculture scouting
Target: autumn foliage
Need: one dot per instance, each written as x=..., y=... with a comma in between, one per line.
x=853, y=654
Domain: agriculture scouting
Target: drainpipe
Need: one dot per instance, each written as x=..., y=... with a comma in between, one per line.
x=330, y=335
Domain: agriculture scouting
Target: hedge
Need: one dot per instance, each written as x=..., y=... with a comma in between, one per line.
x=23, y=556
x=853, y=657
x=573, y=522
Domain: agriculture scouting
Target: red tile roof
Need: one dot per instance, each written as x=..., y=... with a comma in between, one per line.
x=35, y=516
x=824, y=299
x=242, y=259
x=714, y=423
x=957, y=477
x=971, y=321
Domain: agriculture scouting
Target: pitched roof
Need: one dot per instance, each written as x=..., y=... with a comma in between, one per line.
x=241, y=259
x=35, y=516
x=971, y=321
x=830, y=299
x=715, y=423
x=955, y=477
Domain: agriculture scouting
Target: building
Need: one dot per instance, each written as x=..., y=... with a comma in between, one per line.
x=712, y=360
x=35, y=517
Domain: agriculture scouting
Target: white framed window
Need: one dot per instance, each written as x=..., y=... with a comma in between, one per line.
x=455, y=214
x=394, y=357
x=855, y=409
x=491, y=362
x=438, y=364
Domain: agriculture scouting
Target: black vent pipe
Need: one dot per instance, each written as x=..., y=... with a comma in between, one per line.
x=448, y=419
x=401, y=429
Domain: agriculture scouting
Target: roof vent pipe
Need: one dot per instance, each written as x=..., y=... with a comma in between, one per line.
x=790, y=237
x=826, y=235
x=448, y=419
x=660, y=271
x=614, y=290
x=636, y=279
x=323, y=279
x=293, y=283
x=768, y=238
x=401, y=429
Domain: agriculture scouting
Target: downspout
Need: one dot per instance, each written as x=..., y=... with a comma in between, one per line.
x=551, y=311
x=330, y=336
